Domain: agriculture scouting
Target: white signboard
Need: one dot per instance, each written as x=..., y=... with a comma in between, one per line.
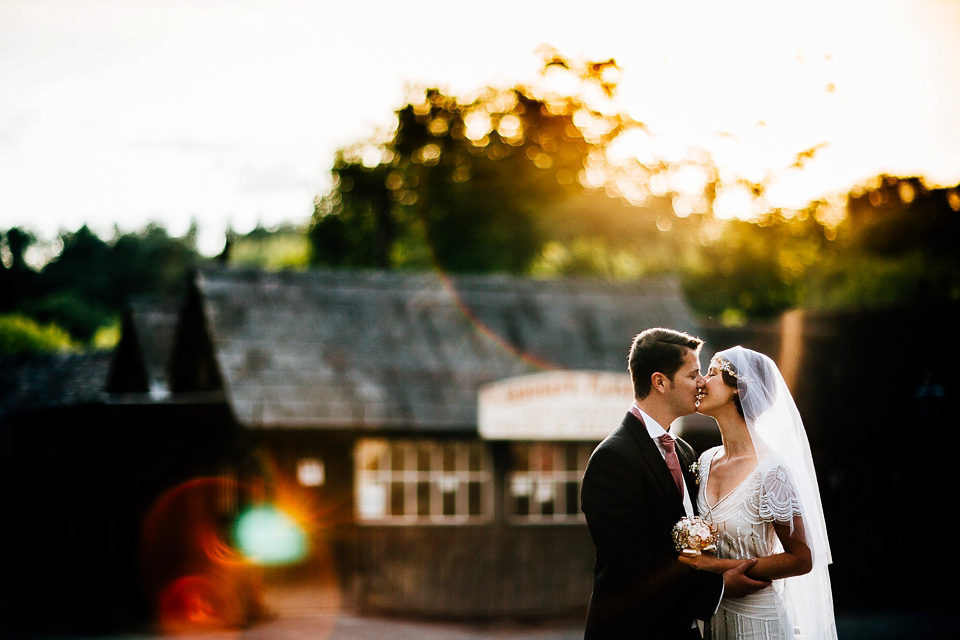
x=559, y=405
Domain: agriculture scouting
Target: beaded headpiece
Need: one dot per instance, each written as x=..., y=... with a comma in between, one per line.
x=724, y=365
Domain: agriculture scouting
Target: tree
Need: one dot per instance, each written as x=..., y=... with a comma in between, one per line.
x=85, y=287
x=889, y=243
x=354, y=226
x=520, y=180
x=755, y=269
x=16, y=279
x=896, y=245
x=284, y=247
x=463, y=185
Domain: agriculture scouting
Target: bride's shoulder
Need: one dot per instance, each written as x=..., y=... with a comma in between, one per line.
x=707, y=455
x=772, y=466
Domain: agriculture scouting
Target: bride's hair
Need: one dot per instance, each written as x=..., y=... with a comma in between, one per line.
x=731, y=381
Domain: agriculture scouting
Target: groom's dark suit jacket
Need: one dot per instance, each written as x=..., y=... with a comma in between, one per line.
x=640, y=589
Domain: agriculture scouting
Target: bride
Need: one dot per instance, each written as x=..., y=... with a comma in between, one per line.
x=760, y=490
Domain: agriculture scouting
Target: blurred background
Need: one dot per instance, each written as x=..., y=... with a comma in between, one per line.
x=794, y=169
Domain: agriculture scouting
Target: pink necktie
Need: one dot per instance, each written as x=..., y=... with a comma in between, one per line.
x=673, y=462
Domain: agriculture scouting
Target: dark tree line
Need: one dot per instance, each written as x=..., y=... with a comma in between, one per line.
x=896, y=243
x=85, y=287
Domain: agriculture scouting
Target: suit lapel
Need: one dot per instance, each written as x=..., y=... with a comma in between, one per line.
x=653, y=458
x=684, y=452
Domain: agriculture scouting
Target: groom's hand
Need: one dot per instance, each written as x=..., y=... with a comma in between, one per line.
x=737, y=584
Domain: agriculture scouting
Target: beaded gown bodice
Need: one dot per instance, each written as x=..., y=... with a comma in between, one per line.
x=744, y=518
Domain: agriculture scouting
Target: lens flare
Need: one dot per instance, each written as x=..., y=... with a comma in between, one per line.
x=268, y=536
x=195, y=578
x=483, y=329
x=196, y=602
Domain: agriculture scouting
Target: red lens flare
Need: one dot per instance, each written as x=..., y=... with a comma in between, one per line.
x=199, y=578
x=196, y=579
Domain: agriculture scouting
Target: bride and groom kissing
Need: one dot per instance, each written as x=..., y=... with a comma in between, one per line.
x=767, y=577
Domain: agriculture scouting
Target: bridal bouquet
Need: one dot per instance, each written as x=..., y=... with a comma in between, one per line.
x=693, y=535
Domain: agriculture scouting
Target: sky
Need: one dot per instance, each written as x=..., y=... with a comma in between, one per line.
x=118, y=113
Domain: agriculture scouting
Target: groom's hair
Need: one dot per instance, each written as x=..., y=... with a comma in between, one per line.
x=657, y=351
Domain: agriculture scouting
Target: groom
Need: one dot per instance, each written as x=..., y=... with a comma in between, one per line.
x=631, y=502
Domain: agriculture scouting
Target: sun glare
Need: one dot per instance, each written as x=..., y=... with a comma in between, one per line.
x=478, y=125
x=510, y=126
x=734, y=202
x=269, y=536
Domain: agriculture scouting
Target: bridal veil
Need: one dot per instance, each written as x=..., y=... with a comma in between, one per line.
x=777, y=430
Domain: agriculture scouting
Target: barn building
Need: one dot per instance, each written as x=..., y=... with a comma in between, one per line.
x=438, y=426
x=427, y=432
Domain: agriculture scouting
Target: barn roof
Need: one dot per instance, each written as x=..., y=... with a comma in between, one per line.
x=52, y=380
x=409, y=351
x=141, y=359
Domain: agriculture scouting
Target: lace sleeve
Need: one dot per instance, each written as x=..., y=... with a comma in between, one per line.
x=778, y=496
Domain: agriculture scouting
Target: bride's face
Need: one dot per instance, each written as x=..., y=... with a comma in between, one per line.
x=716, y=393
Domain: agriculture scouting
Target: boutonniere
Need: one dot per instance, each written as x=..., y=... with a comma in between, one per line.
x=695, y=470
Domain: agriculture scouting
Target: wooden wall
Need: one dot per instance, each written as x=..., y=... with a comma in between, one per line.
x=521, y=570
x=496, y=568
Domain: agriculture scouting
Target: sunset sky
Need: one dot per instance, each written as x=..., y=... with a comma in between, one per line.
x=122, y=112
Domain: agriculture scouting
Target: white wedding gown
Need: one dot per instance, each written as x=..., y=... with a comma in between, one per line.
x=744, y=518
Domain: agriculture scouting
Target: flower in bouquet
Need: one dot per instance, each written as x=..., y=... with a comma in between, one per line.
x=693, y=535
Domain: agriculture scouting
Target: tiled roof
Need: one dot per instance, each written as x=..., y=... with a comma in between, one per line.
x=52, y=380
x=356, y=349
x=155, y=321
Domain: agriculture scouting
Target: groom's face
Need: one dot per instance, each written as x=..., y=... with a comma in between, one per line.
x=686, y=385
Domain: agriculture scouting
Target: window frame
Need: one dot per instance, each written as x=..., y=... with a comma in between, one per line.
x=399, y=476
x=559, y=476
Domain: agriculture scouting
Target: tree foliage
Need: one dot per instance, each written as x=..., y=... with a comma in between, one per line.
x=84, y=288
x=285, y=247
x=20, y=334
x=519, y=181
x=893, y=242
x=473, y=185
x=898, y=244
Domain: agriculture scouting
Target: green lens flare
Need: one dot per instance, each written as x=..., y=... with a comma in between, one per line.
x=269, y=536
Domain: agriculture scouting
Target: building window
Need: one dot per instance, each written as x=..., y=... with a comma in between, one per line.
x=543, y=485
x=310, y=472
x=423, y=482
